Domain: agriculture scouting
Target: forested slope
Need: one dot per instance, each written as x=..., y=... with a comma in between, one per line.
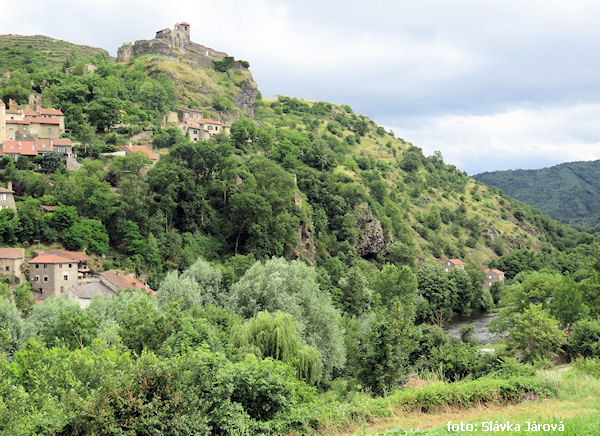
x=569, y=192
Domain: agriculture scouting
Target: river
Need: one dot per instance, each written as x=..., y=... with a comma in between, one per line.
x=479, y=321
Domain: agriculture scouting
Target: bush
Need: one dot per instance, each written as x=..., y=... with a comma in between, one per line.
x=585, y=338
x=224, y=64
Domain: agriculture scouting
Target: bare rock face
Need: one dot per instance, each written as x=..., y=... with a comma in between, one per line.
x=371, y=237
x=246, y=97
x=306, y=244
x=491, y=233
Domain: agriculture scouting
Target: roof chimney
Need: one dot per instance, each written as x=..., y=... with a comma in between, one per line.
x=9, y=186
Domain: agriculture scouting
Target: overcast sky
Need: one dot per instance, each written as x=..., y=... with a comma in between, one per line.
x=493, y=84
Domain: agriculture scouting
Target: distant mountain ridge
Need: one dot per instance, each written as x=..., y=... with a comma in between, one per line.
x=569, y=192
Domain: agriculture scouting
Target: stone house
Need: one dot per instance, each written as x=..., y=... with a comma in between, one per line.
x=79, y=257
x=6, y=198
x=491, y=276
x=108, y=284
x=17, y=129
x=11, y=263
x=50, y=274
x=16, y=149
x=44, y=127
x=117, y=281
x=450, y=264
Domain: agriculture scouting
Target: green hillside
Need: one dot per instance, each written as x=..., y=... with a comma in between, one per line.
x=29, y=52
x=569, y=192
x=296, y=263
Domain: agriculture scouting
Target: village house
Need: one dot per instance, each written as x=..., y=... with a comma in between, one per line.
x=11, y=263
x=108, y=284
x=450, y=264
x=16, y=149
x=50, y=274
x=7, y=200
x=491, y=276
x=79, y=257
x=141, y=149
x=192, y=123
x=20, y=122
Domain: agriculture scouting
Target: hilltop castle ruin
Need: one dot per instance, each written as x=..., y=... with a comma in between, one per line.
x=176, y=43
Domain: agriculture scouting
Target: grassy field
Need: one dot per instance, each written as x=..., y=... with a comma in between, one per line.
x=577, y=407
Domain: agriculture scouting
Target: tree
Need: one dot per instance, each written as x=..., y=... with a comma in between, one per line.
x=275, y=335
x=535, y=334
x=292, y=287
x=585, y=338
x=567, y=304
x=176, y=287
x=438, y=292
x=399, y=284
x=49, y=162
x=387, y=349
x=243, y=131
x=12, y=332
x=356, y=294
x=103, y=112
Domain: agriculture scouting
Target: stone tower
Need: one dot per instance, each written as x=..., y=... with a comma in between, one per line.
x=184, y=28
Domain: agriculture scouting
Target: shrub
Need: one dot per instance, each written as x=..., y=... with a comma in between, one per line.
x=585, y=338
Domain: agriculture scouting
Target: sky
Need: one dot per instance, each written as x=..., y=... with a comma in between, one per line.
x=495, y=84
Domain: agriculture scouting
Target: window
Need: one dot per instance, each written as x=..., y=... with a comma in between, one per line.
x=45, y=278
x=45, y=266
x=3, y=196
x=36, y=279
x=216, y=127
x=489, y=283
x=7, y=268
x=60, y=265
x=490, y=276
x=70, y=265
x=62, y=289
x=37, y=265
x=209, y=127
x=195, y=132
x=66, y=277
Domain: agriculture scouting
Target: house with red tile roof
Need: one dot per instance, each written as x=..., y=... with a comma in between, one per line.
x=11, y=263
x=450, y=264
x=16, y=149
x=80, y=257
x=491, y=276
x=51, y=274
x=118, y=281
x=141, y=149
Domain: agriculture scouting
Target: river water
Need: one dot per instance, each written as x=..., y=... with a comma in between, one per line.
x=479, y=321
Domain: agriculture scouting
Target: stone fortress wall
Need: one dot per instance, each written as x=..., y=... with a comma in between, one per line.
x=175, y=43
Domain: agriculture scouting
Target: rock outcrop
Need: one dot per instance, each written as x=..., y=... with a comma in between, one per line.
x=371, y=237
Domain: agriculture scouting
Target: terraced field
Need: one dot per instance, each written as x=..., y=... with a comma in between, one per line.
x=18, y=51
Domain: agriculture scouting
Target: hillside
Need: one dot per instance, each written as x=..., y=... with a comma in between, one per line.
x=448, y=213
x=28, y=52
x=569, y=192
x=293, y=263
